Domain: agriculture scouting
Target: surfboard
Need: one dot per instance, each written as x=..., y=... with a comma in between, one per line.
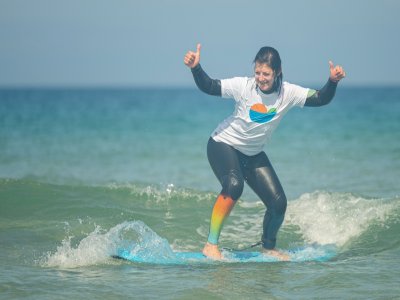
x=304, y=254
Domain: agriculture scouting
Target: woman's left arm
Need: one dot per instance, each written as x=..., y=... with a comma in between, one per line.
x=326, y=94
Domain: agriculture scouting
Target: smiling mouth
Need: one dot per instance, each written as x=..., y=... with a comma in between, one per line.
x=263, y=83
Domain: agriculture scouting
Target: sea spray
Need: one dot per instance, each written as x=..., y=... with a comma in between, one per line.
x=100, y=245
x=91, y=250
x=148, y=245
x=334, y=218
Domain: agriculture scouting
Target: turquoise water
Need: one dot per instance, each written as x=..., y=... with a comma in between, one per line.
x=84, y=172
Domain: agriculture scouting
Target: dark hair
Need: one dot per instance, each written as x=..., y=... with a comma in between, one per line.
x=270, y=56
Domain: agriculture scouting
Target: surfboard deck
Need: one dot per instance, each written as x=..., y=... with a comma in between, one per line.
x=319, y=254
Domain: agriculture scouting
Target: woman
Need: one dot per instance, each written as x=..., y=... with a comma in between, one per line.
x=234, y=149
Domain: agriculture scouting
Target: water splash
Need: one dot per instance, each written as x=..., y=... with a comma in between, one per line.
x=98, y=246
x=333, y=218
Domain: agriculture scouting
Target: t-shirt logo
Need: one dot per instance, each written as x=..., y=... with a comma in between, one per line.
x=260, y=113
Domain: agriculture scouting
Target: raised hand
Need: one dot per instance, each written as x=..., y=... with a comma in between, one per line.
x=336, y=73
x=192, y=59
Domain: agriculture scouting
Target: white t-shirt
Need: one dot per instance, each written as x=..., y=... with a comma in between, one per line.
x=256, y=114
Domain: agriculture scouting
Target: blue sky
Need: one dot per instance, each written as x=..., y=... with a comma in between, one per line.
x=142, y=43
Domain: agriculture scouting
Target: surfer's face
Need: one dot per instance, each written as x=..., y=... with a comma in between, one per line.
x=265, y=76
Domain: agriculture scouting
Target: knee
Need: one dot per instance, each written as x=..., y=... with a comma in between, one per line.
x=232, y=184
x=279, y=203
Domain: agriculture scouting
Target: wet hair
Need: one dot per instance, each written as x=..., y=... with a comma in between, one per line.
x=270, y=56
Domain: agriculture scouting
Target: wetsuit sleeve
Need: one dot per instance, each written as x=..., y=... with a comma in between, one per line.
x=323, y=96
x=205, y=83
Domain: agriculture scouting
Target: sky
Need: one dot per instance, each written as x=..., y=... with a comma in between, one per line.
x=121, y=43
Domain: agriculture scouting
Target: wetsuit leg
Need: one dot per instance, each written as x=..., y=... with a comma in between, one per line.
x=225, y=164
x=261, y=177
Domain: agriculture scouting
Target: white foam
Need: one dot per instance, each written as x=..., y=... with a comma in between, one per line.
x=91, y=250
x=98, y=246
x=333, y=218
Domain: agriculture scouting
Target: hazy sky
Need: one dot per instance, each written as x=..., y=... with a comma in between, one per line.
x=134, y=43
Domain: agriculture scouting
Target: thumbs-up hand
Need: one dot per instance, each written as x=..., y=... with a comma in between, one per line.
x=336, y=73
x=192, y=59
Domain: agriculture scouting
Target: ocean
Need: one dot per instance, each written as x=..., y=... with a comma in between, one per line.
x=86, y=171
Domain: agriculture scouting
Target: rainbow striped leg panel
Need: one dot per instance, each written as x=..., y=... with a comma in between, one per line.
x=222, y=208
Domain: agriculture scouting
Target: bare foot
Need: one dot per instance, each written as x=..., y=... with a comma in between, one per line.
x=212, y=251
x=275, y=253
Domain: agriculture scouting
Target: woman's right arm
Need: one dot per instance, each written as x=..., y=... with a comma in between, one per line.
x=202, y=80
x=205, y=83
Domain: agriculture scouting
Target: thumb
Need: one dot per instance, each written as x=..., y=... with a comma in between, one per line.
x=331, y=65
x=198, y=49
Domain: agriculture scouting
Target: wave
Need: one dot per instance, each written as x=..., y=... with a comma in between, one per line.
x=99, y=246
x=93, y=221
x=335, y=218
x=358, y=226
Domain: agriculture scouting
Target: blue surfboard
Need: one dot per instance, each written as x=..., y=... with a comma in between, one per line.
x=309, y=253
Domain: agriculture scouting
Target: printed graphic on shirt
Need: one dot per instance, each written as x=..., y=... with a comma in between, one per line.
x=260, y=113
